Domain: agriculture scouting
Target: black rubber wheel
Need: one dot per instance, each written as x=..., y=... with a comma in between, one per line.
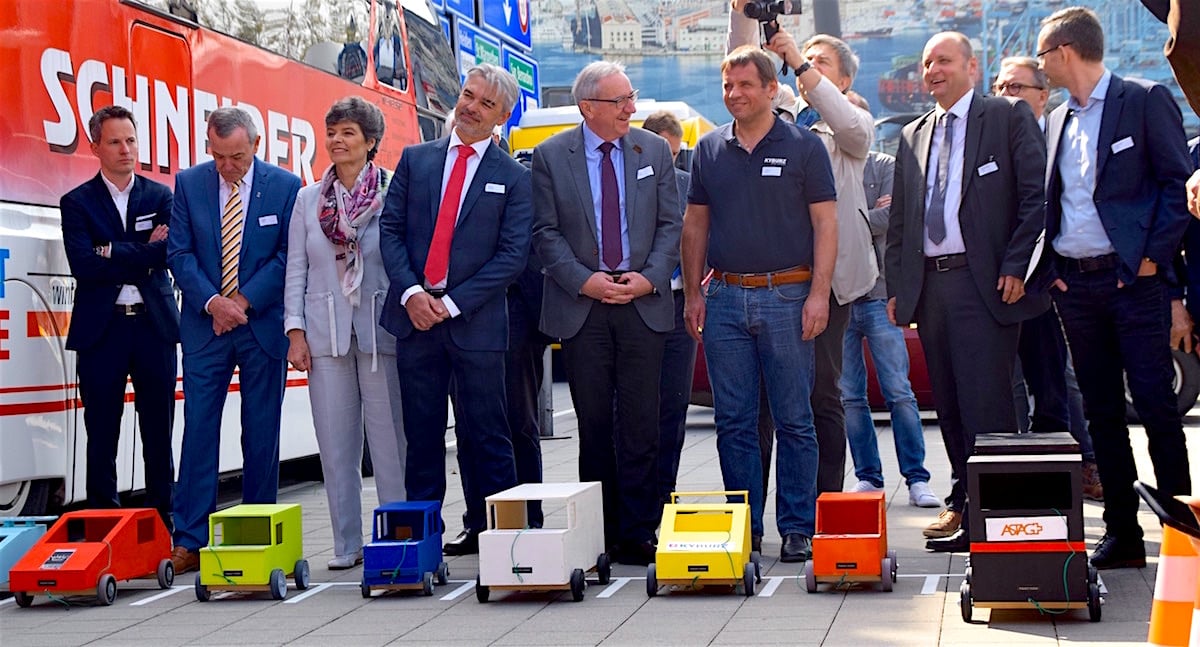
x=748, y=579
x=577, y=584
x=603, y=568
x=106, y=590
x=895, y=564
x=202, y=593
x=301, y=574
x=756, y=559
x=886, y=571
x=278, y=583
x=366, y=589
x=651, y=581
x=967, y=576
x=427, y=583
x=1094, y=602
x=964, y=600
x=1093, y=574
x=810, y=577
x=481, y=592
x=23, y=599
x=443, y=574
x=1185, y=382
x=166, y=574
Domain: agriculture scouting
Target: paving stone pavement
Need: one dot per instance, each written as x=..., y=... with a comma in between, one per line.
x=923, y=610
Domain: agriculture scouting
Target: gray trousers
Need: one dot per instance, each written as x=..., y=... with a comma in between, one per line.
x=345, y=394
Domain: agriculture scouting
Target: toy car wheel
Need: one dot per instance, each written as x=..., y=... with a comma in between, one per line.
x=106, y=590
x=603, y=568
x=887, y=574
x=427, y=583
x=202, y=593
x=278, y=583
x=967, y=575
x=756, y=559
x=166, y=574
x=1093, y=575
x=895, y=563
x=810, y=577
x=964, y=600
x=302, y=574
x=578, y=583
x=481, y=592
x=23, y=599
x=443, y=574
x=651, y=581
x=748, y=579
x=1094, y=602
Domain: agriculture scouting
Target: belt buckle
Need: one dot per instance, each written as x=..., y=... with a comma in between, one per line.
x=937, y=264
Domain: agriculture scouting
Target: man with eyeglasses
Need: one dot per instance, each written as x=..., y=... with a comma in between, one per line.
x=606, y=228
x=1115, y=215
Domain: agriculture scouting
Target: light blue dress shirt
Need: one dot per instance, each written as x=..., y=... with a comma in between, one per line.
x=591, y=147
x=1082, y=233
x=953, y=242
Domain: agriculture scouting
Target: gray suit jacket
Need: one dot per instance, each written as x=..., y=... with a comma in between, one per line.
x=564, y=230
x=1002, y=211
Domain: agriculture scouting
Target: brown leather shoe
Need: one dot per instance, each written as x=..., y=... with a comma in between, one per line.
x=1092, y=488
x=947, y=522
x=184, y=560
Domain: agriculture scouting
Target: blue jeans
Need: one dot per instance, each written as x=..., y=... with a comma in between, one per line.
x=868, y=320
x=753, y=331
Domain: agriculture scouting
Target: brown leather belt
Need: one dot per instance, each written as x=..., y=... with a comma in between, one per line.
x=798, y=274
x=1092, y=264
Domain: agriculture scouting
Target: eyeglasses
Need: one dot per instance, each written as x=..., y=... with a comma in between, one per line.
x=1014, y=88
x=620, y=102
x=1042, y=54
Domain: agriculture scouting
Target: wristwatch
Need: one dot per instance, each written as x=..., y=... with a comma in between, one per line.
x=804, y=67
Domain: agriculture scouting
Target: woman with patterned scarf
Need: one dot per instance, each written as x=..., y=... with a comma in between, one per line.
x=334, y=290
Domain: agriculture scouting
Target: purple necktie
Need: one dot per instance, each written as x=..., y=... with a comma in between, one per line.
x=610, y=210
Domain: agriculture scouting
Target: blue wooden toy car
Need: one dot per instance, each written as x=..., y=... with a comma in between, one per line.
x=406, y=548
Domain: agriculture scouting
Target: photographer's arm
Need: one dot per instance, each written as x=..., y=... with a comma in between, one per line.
x=742, y=30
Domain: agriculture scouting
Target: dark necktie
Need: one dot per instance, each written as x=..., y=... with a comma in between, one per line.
x=935, y=214
x=438, y=262
x=610, y=210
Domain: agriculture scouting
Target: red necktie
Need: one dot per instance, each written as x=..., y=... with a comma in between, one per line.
x=610, y=210
x=439, y=250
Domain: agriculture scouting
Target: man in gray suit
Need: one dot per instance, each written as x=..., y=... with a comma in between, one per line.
x=606, y=228
x=966, y=213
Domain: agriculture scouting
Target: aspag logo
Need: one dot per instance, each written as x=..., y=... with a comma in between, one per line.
x=1026, y=528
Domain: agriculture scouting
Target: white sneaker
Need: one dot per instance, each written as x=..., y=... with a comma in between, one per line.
x=920, y=495
x=865, y=486
x=342, y=562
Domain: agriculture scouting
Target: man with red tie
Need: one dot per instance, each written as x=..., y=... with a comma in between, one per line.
x=454, y=234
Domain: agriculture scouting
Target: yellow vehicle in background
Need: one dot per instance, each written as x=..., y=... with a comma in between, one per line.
x=539, y=124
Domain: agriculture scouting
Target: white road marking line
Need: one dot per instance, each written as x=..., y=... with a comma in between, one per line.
x=772, y=583
x=7, y=601
x=931, y=584
x=312, y=590
x=564, y=412
x=457, y=593
x=613, y=586
x=158, y=596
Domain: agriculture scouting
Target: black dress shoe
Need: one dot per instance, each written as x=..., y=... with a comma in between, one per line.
x=635, y=554
x=1114, y=552
x=958, y=542
x=466, y=543
x=796, y=548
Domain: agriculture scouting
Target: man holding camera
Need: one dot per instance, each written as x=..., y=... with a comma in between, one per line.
x=825, y=67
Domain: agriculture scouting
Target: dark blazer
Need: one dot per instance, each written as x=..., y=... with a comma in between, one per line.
x=90, y=219
x=1140, y=190
x=489, y=249
x=565, y=227
x=194, y=251
x=1001, y=214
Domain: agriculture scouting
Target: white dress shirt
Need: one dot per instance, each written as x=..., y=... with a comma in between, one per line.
x=953, y=243
x=129, y=294
x=224, y=190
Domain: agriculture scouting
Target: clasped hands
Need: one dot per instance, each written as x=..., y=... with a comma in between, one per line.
x=616, y=290
x=425, y=311
x=228, y=312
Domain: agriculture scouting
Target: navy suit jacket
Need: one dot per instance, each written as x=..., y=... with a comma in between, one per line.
x=489, y=249
x=1140, y=188
x=89, y=219
x=194, y=252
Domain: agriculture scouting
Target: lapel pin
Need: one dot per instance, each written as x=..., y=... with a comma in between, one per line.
x=637, y=149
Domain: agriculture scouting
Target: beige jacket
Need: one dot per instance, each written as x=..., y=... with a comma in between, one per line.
x=847, y=132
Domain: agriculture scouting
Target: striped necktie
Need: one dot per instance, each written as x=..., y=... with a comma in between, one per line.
x=231, y=241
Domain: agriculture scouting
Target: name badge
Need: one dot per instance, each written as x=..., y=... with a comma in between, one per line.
x=492, y=187
x=645, y=171
x=143, y=225
x=988, y=168
x=772, y=171
x=267, y=221
x=1122, y=144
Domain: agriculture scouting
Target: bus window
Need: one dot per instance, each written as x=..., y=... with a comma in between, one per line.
x=435, y=76
x=390, y=67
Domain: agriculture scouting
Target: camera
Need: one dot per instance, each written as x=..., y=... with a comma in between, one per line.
x=766, y=11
